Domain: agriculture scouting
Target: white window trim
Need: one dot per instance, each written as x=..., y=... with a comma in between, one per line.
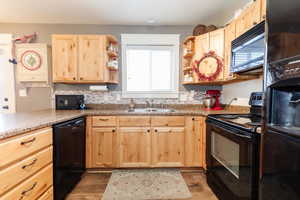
x=151, y=39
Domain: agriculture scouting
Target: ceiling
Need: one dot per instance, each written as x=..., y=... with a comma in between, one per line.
x=120, y=12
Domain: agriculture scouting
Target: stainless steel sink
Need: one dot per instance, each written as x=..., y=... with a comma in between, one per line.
x=151, y=110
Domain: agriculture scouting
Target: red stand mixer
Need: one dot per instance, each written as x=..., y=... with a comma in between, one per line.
x=213, y=99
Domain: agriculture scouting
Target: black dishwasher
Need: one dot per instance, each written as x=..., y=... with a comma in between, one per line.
x=68, y=156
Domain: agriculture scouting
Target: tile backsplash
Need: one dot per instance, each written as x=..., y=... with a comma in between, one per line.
x=115, y=97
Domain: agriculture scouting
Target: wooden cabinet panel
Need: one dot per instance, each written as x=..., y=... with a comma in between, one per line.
x=134, y=121
x=91, y=58
x=104, y=146
x=24, y=169
x=33, y=187
x=15, y=149
x=64, y=54
x=48, y=195
x=229, y=37
x=216, y=44
x=168, y=121
x=135, y=147
x=104, y=121
x=168, y=147
x=193, y=142
x=263, y=9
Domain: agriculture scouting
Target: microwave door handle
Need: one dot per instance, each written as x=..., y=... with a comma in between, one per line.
x=295, y=101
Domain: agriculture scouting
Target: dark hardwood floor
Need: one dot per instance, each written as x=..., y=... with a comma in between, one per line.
x=93, y=185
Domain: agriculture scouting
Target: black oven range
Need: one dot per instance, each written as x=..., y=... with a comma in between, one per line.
x=233, y=152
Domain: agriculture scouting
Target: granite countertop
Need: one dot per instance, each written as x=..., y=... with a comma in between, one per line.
x=18, y=123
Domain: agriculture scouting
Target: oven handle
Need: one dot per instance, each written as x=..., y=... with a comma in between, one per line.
x=231, y=132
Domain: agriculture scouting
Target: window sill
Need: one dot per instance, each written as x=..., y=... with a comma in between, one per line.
x=153, y=95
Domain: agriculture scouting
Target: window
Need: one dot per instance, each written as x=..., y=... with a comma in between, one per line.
x=150, y=66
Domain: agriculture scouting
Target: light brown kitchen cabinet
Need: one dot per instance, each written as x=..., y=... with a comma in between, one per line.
x=91, y=58
x=229, y=37
x=216, y=44
x=194, y=141
x=64, y=55
x=135, y=147
x=104, y=144
x=250, y=17
x=168, y=146
x=84, y=59
x=263, y=5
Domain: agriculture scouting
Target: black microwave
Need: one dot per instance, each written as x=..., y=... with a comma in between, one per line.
x=248, y=50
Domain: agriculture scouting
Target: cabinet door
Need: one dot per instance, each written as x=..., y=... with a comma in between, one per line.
x=253, y=14
x=135, y=147
x=64, y=54
x=240, y=25
x=193, y=142
x=229, y=37
x=201, y=47
x=91, y=58
x=104, y=147
x=263, y=10
x=168, y=147
x=216, y=44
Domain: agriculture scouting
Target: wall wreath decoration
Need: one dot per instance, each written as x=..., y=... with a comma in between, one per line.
x=208, y=67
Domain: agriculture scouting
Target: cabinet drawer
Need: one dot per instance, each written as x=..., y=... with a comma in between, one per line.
x=24, y=169
x=33, y=187
x=167, y=121
x=48, y=195
x=18, y=148
x=104, y=121
x=134, y=121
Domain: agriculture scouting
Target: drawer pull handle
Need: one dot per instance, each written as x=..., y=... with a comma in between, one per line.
x=104, y=120
x=26, y=191
x=29, y=141
x=32, y=163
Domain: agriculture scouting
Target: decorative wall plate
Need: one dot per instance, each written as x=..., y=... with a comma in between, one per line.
x=208, y=67
x=31, y=60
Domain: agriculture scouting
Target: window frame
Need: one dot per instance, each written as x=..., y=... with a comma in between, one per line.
x=134, y=40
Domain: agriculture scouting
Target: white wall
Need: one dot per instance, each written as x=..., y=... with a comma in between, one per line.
x=241, y=91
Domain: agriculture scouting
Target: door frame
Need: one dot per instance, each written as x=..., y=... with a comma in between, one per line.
x=6, y=40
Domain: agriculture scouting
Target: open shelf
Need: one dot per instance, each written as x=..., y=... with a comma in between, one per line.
x=235, y=79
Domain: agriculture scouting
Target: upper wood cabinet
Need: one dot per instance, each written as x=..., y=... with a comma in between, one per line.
x=91, y=58
x=84, y=59
x=168, y=146
x=263, y=5
x=229, y=37
x=64, y=54
x=216, y=44
x=135, y=147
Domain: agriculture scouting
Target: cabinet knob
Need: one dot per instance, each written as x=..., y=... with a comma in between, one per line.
x=113, y=130
x=74, y=78
x=193, y=119
x=81, y=78
x=148, y=130
x=155, y=130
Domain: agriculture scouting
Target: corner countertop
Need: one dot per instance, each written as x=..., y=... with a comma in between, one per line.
x=18, y=123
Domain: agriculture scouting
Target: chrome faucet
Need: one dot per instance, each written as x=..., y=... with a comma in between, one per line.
x=131, y=105
x=230, y=102
x=149, y=103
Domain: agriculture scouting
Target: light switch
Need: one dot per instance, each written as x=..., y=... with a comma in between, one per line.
x=23, y=92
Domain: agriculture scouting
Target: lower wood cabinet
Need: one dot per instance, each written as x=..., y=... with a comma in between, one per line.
x=168, y=147
x=135, y=147
x=144, y=141
x=104, y=147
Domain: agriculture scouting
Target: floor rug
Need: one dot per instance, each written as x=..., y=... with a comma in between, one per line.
x=146, y=184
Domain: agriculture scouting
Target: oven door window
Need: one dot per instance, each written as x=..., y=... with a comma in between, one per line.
x=226, y=152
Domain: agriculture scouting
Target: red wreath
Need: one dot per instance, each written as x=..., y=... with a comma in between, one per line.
x=213, y=76
x=36, y=53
